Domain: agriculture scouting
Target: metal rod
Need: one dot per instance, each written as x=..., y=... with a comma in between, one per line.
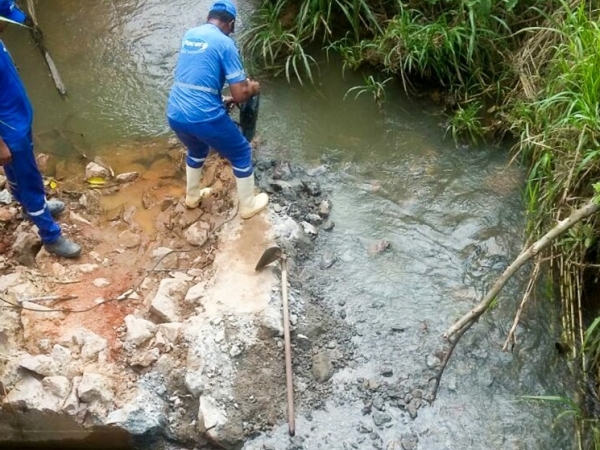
x=288, y=347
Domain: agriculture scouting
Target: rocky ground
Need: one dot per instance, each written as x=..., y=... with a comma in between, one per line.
x=162, y=333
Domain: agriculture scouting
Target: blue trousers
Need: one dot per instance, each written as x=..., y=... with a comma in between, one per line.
x=26, y=185
x=221, y=134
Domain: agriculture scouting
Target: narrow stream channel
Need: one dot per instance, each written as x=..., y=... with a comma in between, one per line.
x=453, y=219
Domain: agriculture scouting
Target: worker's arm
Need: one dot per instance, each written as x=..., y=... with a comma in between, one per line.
x=5, y=154
x=243, y=90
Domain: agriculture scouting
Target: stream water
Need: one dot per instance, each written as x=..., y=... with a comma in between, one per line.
x=453, y=218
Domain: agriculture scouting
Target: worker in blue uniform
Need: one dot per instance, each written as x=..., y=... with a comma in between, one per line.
x=16, y=149
x=196, y=112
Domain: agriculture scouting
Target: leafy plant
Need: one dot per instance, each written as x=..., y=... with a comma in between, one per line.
x=465, y=124
x=371, y=87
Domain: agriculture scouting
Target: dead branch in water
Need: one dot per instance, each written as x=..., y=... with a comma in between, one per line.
x=38, y=38
x=511, y=338
x=458, y=329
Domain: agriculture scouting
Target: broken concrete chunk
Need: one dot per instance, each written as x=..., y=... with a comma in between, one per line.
x=138, y=330
x=58, y=386
x=194, y=382
x=71, y=404
x=127, y=177
x=41, y=364
x=27, y=393
x=197, y=233
x=210, y=415
x=145, y=359
x=144, y=415
x=170, y=331
x=56, y=391
x=165, y=302
x=195, y=292
x=94, y=387
x=213, y=421
x=88, y=343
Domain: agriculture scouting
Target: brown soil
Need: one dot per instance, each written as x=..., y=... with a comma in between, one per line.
x=149, y=209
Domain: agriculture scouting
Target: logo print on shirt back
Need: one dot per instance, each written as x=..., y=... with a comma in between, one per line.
x=194, y=46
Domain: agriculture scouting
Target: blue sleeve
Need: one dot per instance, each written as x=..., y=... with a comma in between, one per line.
x=232, y=63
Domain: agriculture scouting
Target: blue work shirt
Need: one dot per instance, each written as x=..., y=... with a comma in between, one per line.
x=207, y=59
x=16, y=113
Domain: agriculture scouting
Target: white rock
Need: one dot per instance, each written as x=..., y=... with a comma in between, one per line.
x=58, y=387
x=86, y=268
x=194, y=382
x=138, y=330
x=94, y=387
x=165, y=303
x=220, y=336
x=309, y=228
x=101, y=282
x=129, y=239
x=181, y=276
x=272, y=320
x=170, y=331
x=89, y=343
x=71, y=404
x=27, y=393
x=197, y=233
x=93, y=170
x=41, y=364
x=160, y=252
x=8, y=281
x=195, y=292
x=127, y=177
x=210, y=415
x=145, y=359
x=143, y=415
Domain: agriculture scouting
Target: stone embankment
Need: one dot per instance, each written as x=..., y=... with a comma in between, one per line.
x=165, y=339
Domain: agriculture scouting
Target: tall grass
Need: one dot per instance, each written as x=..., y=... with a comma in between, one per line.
x=556, y=113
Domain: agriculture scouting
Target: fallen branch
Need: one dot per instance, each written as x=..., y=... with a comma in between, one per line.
x=511, y=339
x=535, y=248
x=462, y=325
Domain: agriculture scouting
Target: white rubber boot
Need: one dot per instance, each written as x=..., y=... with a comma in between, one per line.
x=193, y=193
x=250, y=204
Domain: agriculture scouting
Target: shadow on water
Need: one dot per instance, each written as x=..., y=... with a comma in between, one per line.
x=453, y=217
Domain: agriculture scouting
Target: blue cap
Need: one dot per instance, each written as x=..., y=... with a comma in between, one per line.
x=224, y=5
x=10, y=11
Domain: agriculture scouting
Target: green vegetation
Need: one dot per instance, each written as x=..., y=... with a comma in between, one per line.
x=524, y=68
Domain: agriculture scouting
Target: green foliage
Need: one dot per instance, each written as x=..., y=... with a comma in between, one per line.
x=282, y=31
x=466, y=125
x=372, y=87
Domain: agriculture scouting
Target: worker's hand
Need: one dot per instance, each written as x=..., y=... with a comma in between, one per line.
x=228, y=102
x=254, y=87
x=5, y=155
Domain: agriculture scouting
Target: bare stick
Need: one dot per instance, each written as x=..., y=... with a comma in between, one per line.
x=438, y=377
x=288, y=347
x=511, y=334
x=468, y=319
x=38, y=37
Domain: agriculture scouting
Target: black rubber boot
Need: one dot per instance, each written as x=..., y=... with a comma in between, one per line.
x=63, y=247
